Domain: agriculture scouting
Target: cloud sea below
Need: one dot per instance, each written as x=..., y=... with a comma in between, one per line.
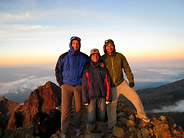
x=17, y=82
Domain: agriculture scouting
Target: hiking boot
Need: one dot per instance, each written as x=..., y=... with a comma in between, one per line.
x=145, y=119
x=78, y=132
x=99, y=126
x=90, y=128
x=109, y=130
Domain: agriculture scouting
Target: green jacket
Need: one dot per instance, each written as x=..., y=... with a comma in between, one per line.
x=115, y=64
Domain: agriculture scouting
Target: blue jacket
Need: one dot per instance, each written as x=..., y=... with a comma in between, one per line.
x=69, y=67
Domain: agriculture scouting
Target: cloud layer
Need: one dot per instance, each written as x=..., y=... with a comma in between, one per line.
x=177, y=107
x=19, y=86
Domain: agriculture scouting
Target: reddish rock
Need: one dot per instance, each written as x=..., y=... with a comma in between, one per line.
x=7, y=108
x=118, y=132
x=130, y=123
x=43, y=99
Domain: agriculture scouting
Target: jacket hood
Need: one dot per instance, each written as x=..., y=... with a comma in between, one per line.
x=72, y=51
x=108, y=41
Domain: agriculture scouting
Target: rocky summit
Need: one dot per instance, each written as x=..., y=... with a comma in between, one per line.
x=43, y=99
x=16, y=120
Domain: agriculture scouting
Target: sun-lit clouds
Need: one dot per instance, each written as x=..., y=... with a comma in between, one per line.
x=23, y=44
x=39, y=31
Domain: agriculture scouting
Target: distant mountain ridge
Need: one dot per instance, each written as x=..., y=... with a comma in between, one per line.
x=162, y=96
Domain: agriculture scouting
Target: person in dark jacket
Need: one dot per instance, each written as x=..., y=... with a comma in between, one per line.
x=95, y=91
x=68, y=73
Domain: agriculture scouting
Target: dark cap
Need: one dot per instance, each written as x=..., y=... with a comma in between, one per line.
x=108, y=41
x=75, y=38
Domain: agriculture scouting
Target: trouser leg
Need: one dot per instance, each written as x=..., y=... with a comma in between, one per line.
x=91, y=112
x=91, y=116
x=66, y=107
x=132, y=96
x=111, y=113
x=101, y=108
x=78, y=106
x=111, y=108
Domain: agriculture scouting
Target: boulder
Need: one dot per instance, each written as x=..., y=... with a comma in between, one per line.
x=118, y=132
x=42, y=99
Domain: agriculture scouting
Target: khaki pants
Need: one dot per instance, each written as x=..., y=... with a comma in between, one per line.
x=130, y=94
x=68, y=92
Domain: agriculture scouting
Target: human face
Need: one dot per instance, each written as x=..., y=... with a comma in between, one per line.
x=75, y=45
x=95, y=58
x=109, y=48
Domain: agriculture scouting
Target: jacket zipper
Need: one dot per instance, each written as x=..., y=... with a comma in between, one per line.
x=112, y=69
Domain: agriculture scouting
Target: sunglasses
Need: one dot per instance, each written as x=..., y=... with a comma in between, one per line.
x=75, y=38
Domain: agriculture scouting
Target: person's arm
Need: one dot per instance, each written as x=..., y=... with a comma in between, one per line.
x=58, y=72
x=128, y=71
x=85, y=87
x=107, y=86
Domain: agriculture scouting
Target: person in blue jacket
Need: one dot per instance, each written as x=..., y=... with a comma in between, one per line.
x=68, y=73
x=96, y=91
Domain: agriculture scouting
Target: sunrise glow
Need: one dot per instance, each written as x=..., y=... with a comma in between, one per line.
x=37, y=32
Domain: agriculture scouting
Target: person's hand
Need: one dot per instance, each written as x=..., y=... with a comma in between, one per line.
x=102, y=65
x=131, y=84
x=107, y=102
x=86, y=104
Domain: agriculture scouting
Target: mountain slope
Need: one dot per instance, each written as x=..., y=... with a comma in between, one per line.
x=162, y=96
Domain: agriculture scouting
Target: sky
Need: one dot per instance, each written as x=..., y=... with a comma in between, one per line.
x=38, y=31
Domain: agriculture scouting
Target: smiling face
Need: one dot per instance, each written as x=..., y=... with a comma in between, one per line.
x=75, y=45
x=110, y=49
x=95, y=58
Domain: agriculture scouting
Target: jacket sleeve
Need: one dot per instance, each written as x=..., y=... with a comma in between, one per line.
x=127, y=69
x=58, y=71
x=107, y=86
x=85, y=86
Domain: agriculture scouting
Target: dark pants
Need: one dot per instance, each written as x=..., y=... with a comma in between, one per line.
x=96, y=110
x=68, y=92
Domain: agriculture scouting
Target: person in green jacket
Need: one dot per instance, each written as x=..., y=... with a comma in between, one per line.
x=116, y=63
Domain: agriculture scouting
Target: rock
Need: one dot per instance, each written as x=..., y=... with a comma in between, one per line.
x=7, y=108
x=145, y=132
x=142, y=124
x=123, y=120
x=118, y=132
x=93, y=135
x=130, y=123
x=131, y=117
x=163, y=119
x=121, y=114
x=132, y=129
x=43, y=99
x=162, y=131
x=1, y=132
x=171, y=122
x=48, y=96
x=139, y=134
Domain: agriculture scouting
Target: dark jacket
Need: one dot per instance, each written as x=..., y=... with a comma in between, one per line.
x=69, y=67
x=95, y=83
